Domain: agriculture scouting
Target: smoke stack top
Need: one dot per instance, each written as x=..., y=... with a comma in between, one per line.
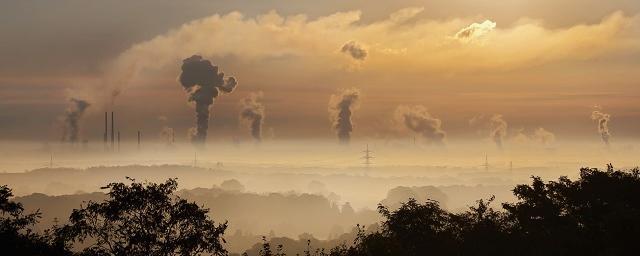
x=253, y=112
x=203, y=82
x=341, y=107
x=72, y=118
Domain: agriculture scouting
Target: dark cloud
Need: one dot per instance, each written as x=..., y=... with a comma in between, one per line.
x=72, y=118
x=341, y=108
x=253, y=112
x=419, y=120
x=354, y=50
x=204, y=83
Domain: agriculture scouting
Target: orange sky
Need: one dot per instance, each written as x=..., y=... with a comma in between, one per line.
x=530, y=62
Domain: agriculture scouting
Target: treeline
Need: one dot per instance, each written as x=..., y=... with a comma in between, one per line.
x=597, y=214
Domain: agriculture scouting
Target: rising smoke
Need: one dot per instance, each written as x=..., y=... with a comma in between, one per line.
x=253, y=112
x=72, y=118
x=341, y=107
x=496, y=125
x=419, y=120
x=204, y=83
x=167, y=134
x=497, y=129
x=354, y=50
x=603, y=125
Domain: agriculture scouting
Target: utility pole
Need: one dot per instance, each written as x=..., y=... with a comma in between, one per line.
x=368, y=155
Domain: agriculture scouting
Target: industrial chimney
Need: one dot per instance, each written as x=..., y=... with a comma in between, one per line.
x=138, y=140
x=112, y=133
x=105, y=130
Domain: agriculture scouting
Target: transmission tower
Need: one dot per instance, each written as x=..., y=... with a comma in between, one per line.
x=368, y=155
x=486, y=163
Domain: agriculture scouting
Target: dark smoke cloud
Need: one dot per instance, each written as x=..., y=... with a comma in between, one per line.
x=603, y=125
x=419, y=120
x=341, y=107
x=72, y=117
x=204, y=83
x=354, y=50
x=253, y=112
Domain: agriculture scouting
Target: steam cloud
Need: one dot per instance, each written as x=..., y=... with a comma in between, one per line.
x=419, y=120
x=603, y=125
x=497, y=129
x=204, y=83
x=72, y=118
x=341, y=107
x=539, y=135
x=253, y=112
x=354, y=50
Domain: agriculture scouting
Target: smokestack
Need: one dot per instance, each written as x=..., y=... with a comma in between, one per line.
x=118, y=140
x=138, y=139
x=105, y=130
x=203, y=83
x=112, y=134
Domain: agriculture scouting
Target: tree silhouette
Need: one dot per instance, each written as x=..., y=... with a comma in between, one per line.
x=16, y=234
x=144, y=219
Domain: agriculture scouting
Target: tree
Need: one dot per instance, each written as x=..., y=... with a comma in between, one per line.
x=144, y=219
x=16, y=234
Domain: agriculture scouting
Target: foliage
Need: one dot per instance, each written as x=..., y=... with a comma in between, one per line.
x=144, y=219
x=16, y=234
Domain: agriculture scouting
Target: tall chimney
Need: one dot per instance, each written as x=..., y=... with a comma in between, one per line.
x=138, y=139
x=118, y=140
x=112, y=133
x=105, y=130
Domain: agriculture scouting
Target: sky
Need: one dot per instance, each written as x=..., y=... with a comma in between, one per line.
x=520, y=71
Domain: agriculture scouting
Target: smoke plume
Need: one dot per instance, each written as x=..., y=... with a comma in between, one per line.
x=72, y=117
x=341, y=107
x=253, y=112
x=203, y=82
x=603, y=125
x=497, y=129
x=419, y=120
x=538, y=136
x=167, y=135
x=354, y=50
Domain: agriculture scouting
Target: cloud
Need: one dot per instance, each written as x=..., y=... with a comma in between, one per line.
x=418, y=119
x=354, y=50
x=395, y=46
x=475, y=31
